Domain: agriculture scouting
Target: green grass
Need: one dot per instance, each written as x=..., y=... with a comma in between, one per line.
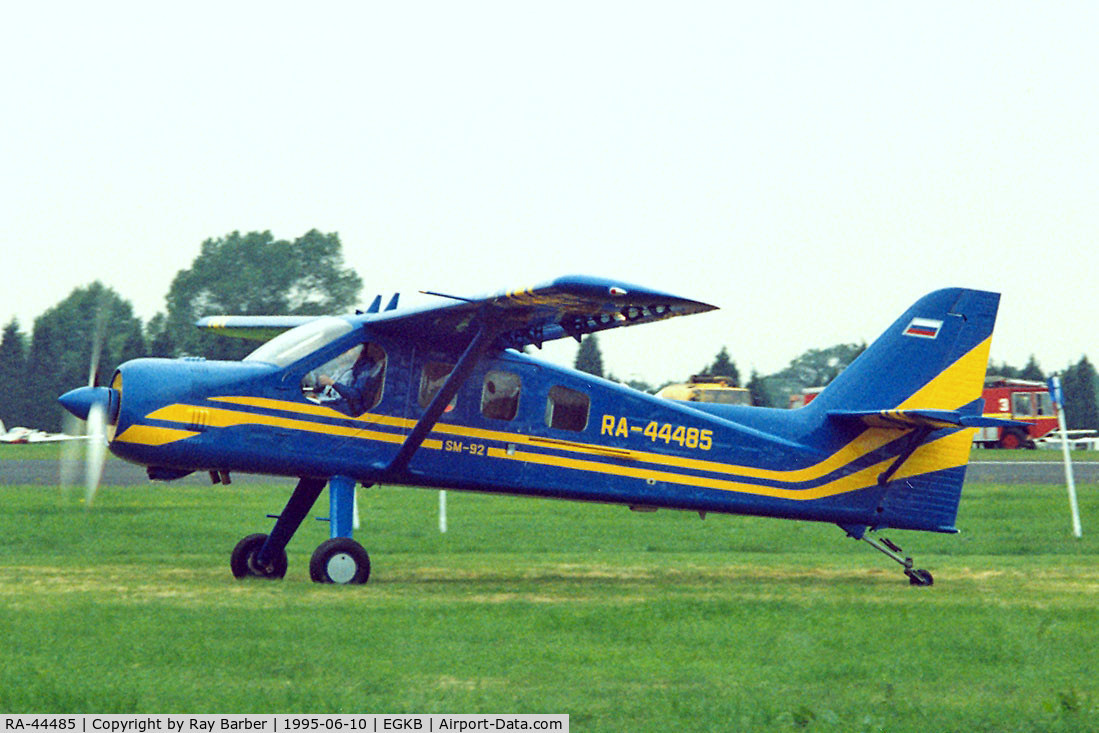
x=36, y=451
x=624, y=621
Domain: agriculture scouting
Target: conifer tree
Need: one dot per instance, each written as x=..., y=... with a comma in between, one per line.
x=1080, y=385
x=588, y=357
x=723, y=366
x=13, y=375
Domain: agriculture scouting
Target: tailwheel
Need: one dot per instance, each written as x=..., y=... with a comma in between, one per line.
x=244, y=561
x=340, y=560
x=916, y=576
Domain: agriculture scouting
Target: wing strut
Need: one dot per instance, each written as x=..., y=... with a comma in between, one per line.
x=477, y=348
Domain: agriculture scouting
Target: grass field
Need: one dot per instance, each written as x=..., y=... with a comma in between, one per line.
x=624, y=621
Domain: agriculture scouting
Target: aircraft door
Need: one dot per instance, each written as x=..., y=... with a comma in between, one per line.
x=479, y=432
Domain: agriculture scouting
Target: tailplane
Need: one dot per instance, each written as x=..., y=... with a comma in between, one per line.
x=922, y=380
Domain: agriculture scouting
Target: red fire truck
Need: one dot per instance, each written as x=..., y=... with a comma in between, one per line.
x=1016, y=399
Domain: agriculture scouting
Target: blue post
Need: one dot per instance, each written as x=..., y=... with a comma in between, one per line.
x=341, y=502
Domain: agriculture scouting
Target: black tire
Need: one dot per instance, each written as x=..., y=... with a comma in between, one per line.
x=1013, y=439
x=243, y=560
x=340, y=560
x=920, y=577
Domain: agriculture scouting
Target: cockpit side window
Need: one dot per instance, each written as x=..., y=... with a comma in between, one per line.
x=352, y=383
x=288, y=347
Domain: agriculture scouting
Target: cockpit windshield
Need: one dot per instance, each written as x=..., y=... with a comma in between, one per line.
x=288, y=347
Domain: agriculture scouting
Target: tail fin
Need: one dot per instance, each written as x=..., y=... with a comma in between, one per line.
x=932, y=358
x=922, y=378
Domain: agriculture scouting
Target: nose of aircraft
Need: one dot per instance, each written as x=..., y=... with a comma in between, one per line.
x=80, y=401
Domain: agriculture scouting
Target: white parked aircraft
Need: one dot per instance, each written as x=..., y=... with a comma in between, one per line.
x=21, y=435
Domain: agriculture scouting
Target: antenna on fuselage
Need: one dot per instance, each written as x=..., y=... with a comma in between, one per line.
x=446, y=295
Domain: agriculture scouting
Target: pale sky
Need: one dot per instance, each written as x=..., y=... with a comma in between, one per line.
x=810, y=168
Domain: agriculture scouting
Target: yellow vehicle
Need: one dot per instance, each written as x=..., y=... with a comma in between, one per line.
x=705, y=388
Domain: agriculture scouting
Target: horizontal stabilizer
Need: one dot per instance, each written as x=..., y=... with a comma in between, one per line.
x=256, y=328
x=908, y=419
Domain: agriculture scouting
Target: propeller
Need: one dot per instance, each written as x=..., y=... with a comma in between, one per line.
x=96, y=406
x=96, y=451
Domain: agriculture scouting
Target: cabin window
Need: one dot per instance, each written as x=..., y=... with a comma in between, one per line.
x=1021, y=405
x=567, y=409
x=500, y=395
x=352, y=382
x=1045, y=403
x=432, y=379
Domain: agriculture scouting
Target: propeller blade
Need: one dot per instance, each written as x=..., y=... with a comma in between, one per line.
x=93, y=364
x=97, y=451
x=70, y=453
x=98, y=336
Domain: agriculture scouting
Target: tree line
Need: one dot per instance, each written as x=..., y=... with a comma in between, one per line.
x=85, y=336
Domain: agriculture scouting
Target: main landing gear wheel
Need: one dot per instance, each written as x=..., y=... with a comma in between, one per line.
x=340, y=560
x=919, y=576
x=244, y=564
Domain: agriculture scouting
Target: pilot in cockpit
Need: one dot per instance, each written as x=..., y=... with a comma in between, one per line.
x=351, y=389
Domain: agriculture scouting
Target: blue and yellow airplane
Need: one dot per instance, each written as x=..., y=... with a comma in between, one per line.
x=444, y=397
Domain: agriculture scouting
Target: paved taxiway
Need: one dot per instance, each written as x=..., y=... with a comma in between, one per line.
x=119, y=473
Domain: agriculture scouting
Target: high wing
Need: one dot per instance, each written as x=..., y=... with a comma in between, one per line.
x=570, y=306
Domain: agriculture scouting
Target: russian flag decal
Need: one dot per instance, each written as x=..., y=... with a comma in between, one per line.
x=925, y=328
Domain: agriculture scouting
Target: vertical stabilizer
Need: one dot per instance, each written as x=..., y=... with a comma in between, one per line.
x=921, y=379
x=932, y=357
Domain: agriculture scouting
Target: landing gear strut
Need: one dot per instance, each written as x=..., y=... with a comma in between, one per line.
x=916, y=576
x=337, y=560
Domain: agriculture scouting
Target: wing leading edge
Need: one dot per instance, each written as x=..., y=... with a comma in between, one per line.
x=571, y=306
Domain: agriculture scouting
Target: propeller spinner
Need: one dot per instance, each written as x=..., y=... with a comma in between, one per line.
x=98, y=407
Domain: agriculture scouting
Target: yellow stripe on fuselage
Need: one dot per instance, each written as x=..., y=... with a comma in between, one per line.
x=220, y=418
x=928, y=457
x=866, y=442
x=152, y=435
